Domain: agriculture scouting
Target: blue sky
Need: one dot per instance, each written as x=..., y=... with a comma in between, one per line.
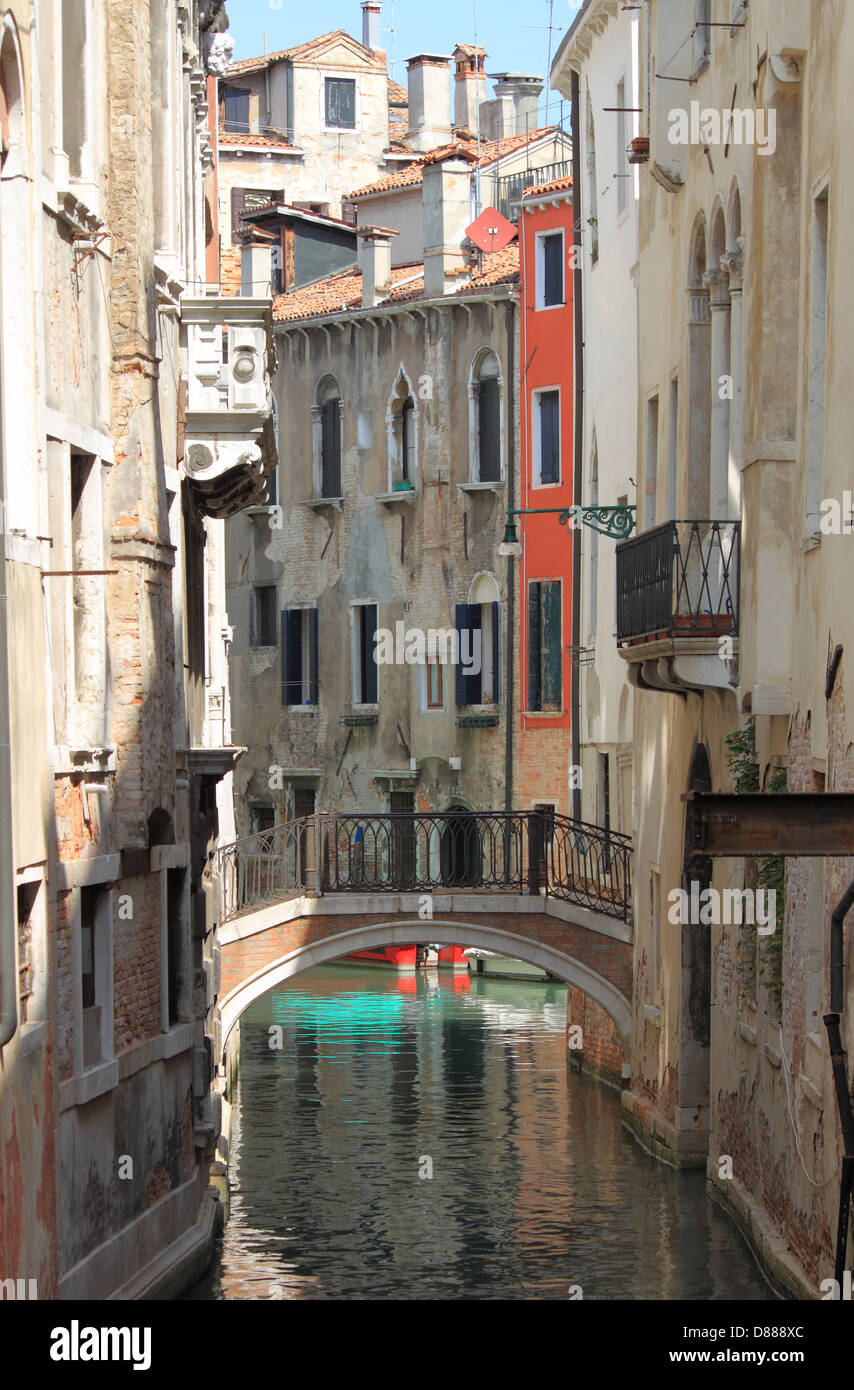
x=515, y=36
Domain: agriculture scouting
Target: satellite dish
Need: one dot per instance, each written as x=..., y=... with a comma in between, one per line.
x=491, y=231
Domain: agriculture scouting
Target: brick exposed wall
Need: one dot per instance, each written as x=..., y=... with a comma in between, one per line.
x=601, y=1052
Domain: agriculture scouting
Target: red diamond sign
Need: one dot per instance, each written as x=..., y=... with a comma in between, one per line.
x=491, y=231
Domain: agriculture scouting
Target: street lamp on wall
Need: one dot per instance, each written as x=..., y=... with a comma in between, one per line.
x=617, y=522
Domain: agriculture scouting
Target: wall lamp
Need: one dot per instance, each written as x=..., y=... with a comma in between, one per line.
x=617, y=522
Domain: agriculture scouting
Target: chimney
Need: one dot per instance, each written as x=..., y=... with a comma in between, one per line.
x=446, y=210
x=375, y=263
x=429, y=101
x=256, y=267
x=469, y=85
x=519, y=93
x=371, y=25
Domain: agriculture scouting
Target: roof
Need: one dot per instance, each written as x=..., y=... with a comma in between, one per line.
x=556, y=186
x=235, y=138
x=280, y=209
x=343, y=291
x=397, y=95
x=303, y=50
x=490, y=152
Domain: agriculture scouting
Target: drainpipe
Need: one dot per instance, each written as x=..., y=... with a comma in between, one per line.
x=509, y=698
x=8, y=925
x=578, y=441
x=840, y=1073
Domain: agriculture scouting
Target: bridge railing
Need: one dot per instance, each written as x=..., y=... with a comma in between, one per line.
x=426, y=852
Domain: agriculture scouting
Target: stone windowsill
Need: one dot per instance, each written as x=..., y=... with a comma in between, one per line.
x=316, y=502
x=497, y=486
x=409, y=495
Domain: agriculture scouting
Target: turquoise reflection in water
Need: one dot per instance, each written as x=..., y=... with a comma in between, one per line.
x=536, y=1185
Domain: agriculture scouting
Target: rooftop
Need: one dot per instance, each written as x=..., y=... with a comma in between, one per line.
x=465, y=147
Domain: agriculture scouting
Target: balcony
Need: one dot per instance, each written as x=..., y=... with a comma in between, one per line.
x=678, y=604
x=230, y=447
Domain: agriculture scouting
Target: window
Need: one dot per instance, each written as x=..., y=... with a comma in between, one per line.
x=263, y=616
x=672, y=442
x=546, y=437
x=365, y=683
x=591, y=220
x=651, y=472
x=479, y=645
x=485, y=419
x=245, y=201
x=545, y=646
x=326, y=417
x=261, y=817
x=95, y=969
x=304, y=804
x=435, y=694
x=300, y=684
x=817, y=364
x=702, y=32
x=87, y=948
x=341, y=103
x=622, y=156
x=402, y=425
x=176, y=942
x=235, y=107
x=549, y=269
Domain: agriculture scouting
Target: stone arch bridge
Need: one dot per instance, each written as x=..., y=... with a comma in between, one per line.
x=546, y=889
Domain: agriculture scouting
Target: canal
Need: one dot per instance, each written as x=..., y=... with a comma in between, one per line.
x=536, y=1188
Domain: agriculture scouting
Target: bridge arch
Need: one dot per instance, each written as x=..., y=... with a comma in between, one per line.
x=441, y=931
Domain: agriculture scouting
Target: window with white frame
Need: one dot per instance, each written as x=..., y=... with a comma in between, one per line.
x=402, y=428
x=549, y=269
x=434, y=684
x=300, y=683
x=340, y=103
x=326, y=438
x=365, y=671
x=545, y=436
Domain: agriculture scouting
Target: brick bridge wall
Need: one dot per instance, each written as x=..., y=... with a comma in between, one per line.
x=241, y=958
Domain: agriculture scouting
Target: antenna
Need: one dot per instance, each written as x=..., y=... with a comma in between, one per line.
x=390, y=31
x=477, y=203
x=549, y=59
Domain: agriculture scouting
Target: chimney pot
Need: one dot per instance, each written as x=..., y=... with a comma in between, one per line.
x=371, y=25
x=429, y=101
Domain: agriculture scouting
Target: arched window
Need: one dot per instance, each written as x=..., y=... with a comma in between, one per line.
x=699, y=377
x=402, y=428
x=326, y=430
x=478, y=625
x=485, y=424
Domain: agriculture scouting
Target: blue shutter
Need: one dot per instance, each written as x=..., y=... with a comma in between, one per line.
x=553, y=270
x=292, y=657
x=533, y=646
x=369, y=655
x=313, y=680
x=474, y=683
x=551, y=662
x=460, y=683
x=496, y=651
x=549, y=436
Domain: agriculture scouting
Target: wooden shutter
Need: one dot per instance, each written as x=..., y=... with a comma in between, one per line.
x=460, y=683
x=313, y=679
x=292, y=656
x=553, y=270
x=534, y=615
x=330, y=456
x=238, y=203
x=489, y=431
x=551, y=661
x=474, y=683
x=496, y=651
x=549, y=436
x=368, y=620
x=408, y=441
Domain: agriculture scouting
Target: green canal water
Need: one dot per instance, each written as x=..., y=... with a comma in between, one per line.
x=536, y=1188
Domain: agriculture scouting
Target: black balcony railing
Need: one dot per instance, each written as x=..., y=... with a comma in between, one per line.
x=680, y=579
x=487, y=851
x=509, y=189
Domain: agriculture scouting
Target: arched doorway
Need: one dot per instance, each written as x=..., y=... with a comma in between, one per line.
x=462, y=855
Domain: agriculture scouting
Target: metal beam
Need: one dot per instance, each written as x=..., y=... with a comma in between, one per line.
x=812, y=823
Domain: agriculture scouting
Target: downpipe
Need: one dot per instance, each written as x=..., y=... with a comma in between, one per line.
x=840, y=1074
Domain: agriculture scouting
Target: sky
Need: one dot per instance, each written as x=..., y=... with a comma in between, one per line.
x=515, y=36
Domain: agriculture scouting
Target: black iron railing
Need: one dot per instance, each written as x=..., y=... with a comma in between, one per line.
x=680, y=579
x=488, y=851
x=509, y=189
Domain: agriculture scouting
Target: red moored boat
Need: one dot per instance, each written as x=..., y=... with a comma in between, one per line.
x=402, y=958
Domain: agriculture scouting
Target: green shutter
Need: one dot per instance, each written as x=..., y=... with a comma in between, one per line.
x=551, y=659
x=534, y=607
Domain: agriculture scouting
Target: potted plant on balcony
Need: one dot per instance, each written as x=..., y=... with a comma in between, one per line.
x=639, y=150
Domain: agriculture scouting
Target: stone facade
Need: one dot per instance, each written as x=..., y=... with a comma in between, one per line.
x=116, y=650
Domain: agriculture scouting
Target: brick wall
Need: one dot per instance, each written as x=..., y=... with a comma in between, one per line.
x=601, y=1052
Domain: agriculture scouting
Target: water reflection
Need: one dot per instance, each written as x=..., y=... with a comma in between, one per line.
x=536, y=1186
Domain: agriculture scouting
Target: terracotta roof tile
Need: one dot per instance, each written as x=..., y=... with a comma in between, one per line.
x=556, y=186
x=490, y=151
x=397, y=95
x=264, y=142
x=300, y=50
x=343, y=291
